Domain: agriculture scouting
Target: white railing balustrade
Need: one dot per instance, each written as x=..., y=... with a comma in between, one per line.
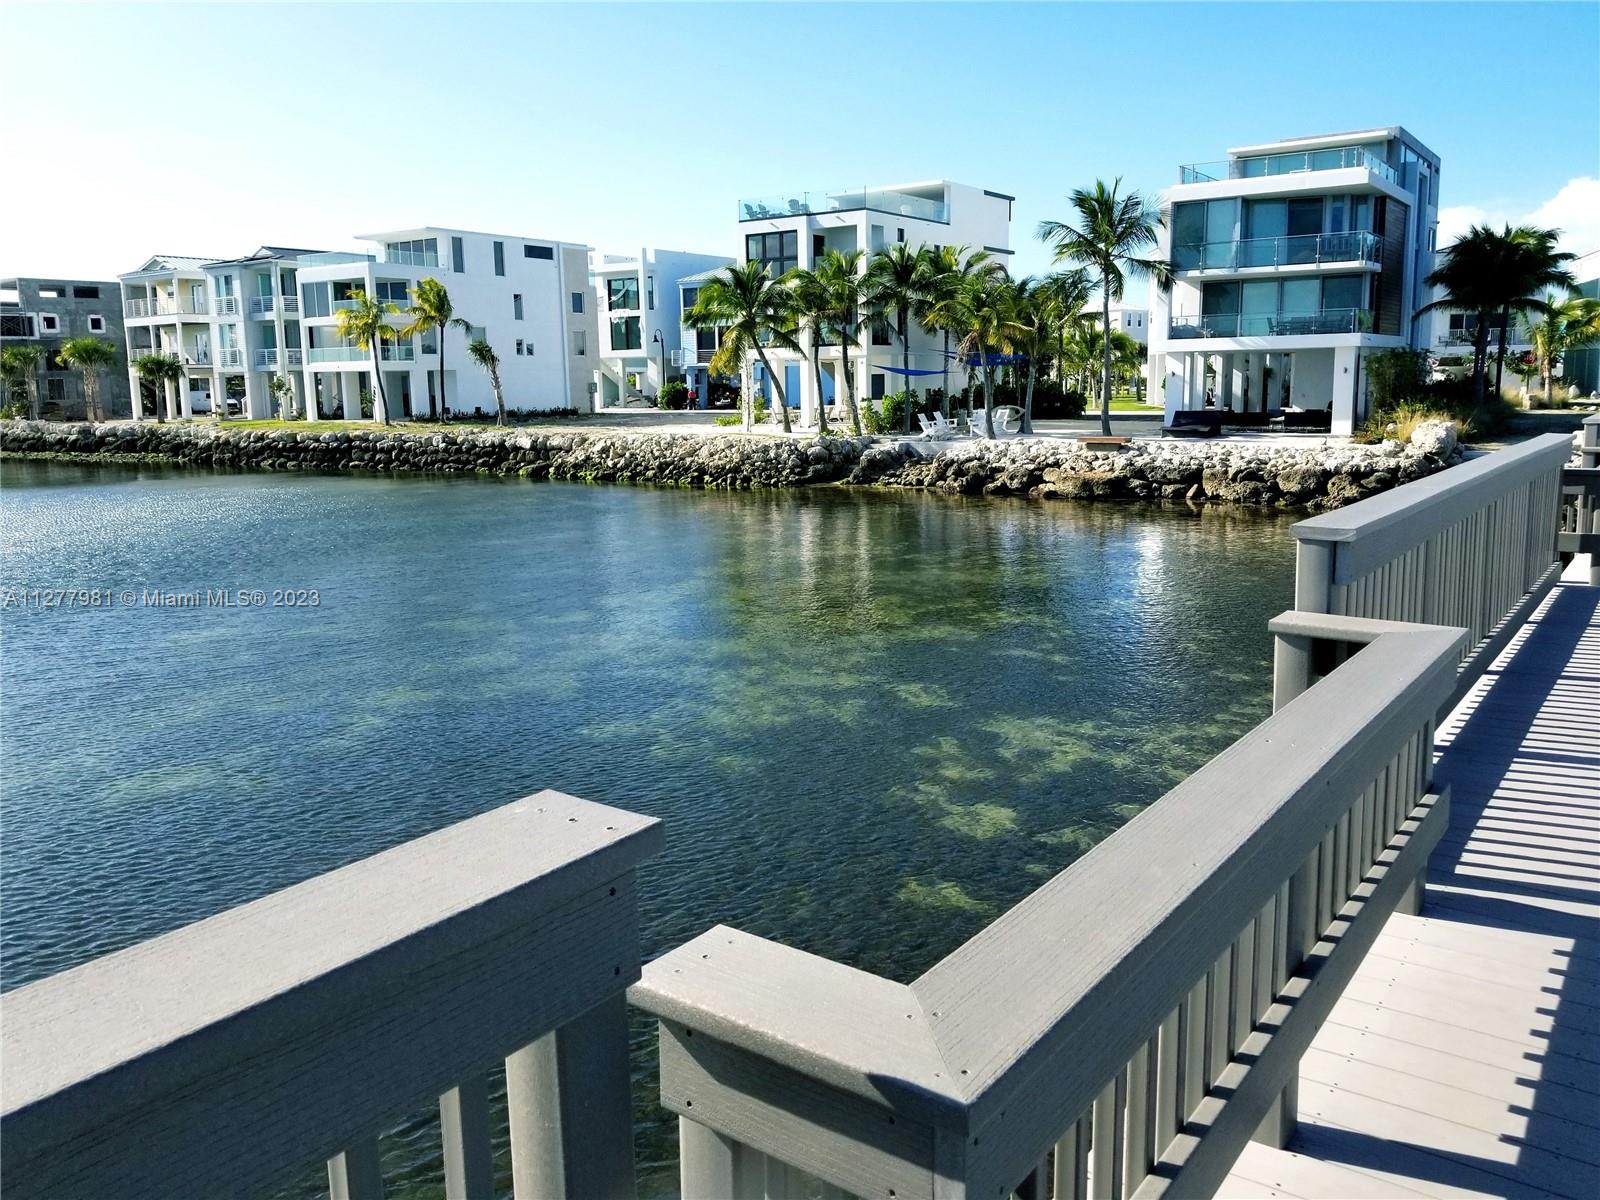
x=1580, y=502
x=229, y=1056
x=226, y=306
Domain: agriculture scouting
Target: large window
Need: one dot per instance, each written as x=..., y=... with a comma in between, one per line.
x=625, y=333
x=779, y=252
x=538, y=252
x=458, y=258
x=623, y=293
x=577, y=302
x=499, y=258
x=417, y=252
x=688, y=296
x=393, y=291
x=314, y=300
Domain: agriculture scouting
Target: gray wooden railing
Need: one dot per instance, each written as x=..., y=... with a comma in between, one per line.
x=1580, y=496
x=227, y=1057
x=1474, y=546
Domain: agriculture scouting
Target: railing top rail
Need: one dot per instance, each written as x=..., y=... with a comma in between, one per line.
x=1379, y=528
x=83, y=1044
x=1101, y=953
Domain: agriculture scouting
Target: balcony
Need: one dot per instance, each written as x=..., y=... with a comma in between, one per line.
x=230, y=356
x=227, y=306
x=1287, y=164
x=336, y=354
x=165, y=308
x=399, y=353
x=335, y=258
x=269, y=359
x=1281, y=324
x=266, y=306
x=1300, y=250
x=16, y=325
x=876, y=200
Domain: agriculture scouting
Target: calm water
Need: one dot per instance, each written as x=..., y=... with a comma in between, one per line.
x=870, y=722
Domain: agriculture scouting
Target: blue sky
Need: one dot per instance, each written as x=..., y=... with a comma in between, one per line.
x=208, y=129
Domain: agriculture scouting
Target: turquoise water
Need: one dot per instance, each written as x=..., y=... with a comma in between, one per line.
x=871, y=722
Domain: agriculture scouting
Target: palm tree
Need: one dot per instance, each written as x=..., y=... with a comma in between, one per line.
x=1111, y=236
x=1494, y=274
x=1037, y=321
x=483, y=354
x=839, y=276
x=366, y=323
x=754, y=312
x=1070, y=292
x=1570, y=325
x=431, y=310
x=158, y=370
x=985, y=313
x=21, y=362
x=944, y=270
x=813, y=313
x=89, y=355
x=894, y=282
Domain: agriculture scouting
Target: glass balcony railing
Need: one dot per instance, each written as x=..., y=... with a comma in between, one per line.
x=1299, y=250
x=1294, y=163
x=324, y=354
x=333, y=258
x=399, y=353
x=877, y=200
x=1279, y=324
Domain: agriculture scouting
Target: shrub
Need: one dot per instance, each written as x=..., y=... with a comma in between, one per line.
x=1052, y=402
x=729, y=421
x=1396, y=377
x=674, y=393
x=13, y=411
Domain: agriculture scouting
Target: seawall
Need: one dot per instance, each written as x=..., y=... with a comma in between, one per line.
x=1313, y=475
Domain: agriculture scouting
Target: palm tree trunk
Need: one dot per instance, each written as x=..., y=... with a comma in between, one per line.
x=849, y=381
x=32, y=387
x=988, y=396
x=499, y=397
x=905, y=370
x=944, y=402
x=1480, y=357
x=1500, y=352
x=1027, y=403
x=1105, y=380
x=380, y=398
x=435, y=409
x=822, y=409
x=776, y=386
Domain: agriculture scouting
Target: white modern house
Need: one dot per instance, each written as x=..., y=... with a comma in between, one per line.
x=1131, y=319
x=528, y=297
x=1292, y=261
x=798, y=229
x=166, y=310
x=237, y=323
x=641, y=320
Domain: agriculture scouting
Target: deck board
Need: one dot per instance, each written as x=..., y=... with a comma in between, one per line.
x=1464, y=1058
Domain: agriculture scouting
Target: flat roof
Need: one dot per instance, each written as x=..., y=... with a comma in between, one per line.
x=1382, y=133
x=413, y=230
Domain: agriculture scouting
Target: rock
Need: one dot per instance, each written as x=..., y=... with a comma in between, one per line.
x=1436, y=439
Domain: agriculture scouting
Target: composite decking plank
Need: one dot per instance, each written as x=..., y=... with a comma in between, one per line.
x=1464, y=1057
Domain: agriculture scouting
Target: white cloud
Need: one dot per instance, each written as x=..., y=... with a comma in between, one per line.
x=1574, y=210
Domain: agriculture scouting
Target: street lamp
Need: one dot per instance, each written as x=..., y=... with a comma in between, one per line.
x=661, y=363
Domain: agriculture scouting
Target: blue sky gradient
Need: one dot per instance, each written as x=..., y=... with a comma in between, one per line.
x=207, y=129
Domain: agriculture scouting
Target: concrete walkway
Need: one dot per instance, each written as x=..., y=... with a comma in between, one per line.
x=1464, y=1058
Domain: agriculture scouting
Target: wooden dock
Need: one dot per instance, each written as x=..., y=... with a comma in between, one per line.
x=1464, y=1058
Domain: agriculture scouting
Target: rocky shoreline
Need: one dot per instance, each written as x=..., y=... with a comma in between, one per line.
x=1270, y=474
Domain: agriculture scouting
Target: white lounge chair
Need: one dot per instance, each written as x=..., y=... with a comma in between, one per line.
x=1007, y=421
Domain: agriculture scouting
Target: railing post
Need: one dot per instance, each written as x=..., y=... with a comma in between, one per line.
x=570, y=1101
x=1291, y=654
x=1588, y=511
x=706, y=1162
x=357, y=1174
x=468, y=1154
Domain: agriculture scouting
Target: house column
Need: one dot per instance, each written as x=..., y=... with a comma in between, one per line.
x=309, y=393
x=1175, y=368
x=1346, y=377
x=349, y=395
x=250, y=393
x=1237, y=364
x=169, y=397
x=138, y=396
